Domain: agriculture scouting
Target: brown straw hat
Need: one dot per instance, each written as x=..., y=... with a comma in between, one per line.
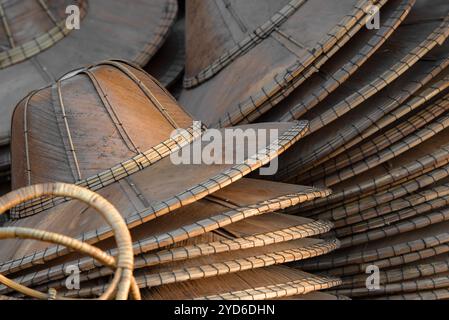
x=37, y=47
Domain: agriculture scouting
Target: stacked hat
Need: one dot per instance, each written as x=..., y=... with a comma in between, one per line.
x=376, y=98
x=197, y=229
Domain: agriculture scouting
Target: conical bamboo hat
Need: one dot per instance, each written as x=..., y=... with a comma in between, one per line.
x=37, y=47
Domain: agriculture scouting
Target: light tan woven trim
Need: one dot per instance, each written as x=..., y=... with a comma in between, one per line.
x=395, y=205
x=399, y=274
x=384, y=115
x=344, y=213
x=293, y=288
x=206, y=249
x=395, y=261
x=338, y=78
x=353, y=262
x=392, y=224
x=114, y=174
x=383, y=140
x=401, y=174
x=220, y=268
x=441, y=294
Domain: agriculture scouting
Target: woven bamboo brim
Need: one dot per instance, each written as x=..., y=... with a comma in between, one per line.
x=267, y=283
x=431, y=143
x=284, y=53
x=426, y=187
x=376, y=206
x=188, y=266
x=116, y=103
x=241, y=27
x=392, y=177
x=361, y=219
x=340, y=67
x=405, y=187
x=189, y=184
x=387, y=252
x=384, y=139
x=45, y=24
x=427, y=268
x=190, y=252
x=370, y=79
x=316, y=296
x=440, y=294
x=396, y=261
x=238, y=240
x=209, y=177
x=412, y=278
x=384, y=183
x=242, y=200
x=168, y=63
x=411, y=141
x=110, y=29
x=218, y=265
x=286, y=249
x=382, y=228
x=423, y=80
x=405, y=287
